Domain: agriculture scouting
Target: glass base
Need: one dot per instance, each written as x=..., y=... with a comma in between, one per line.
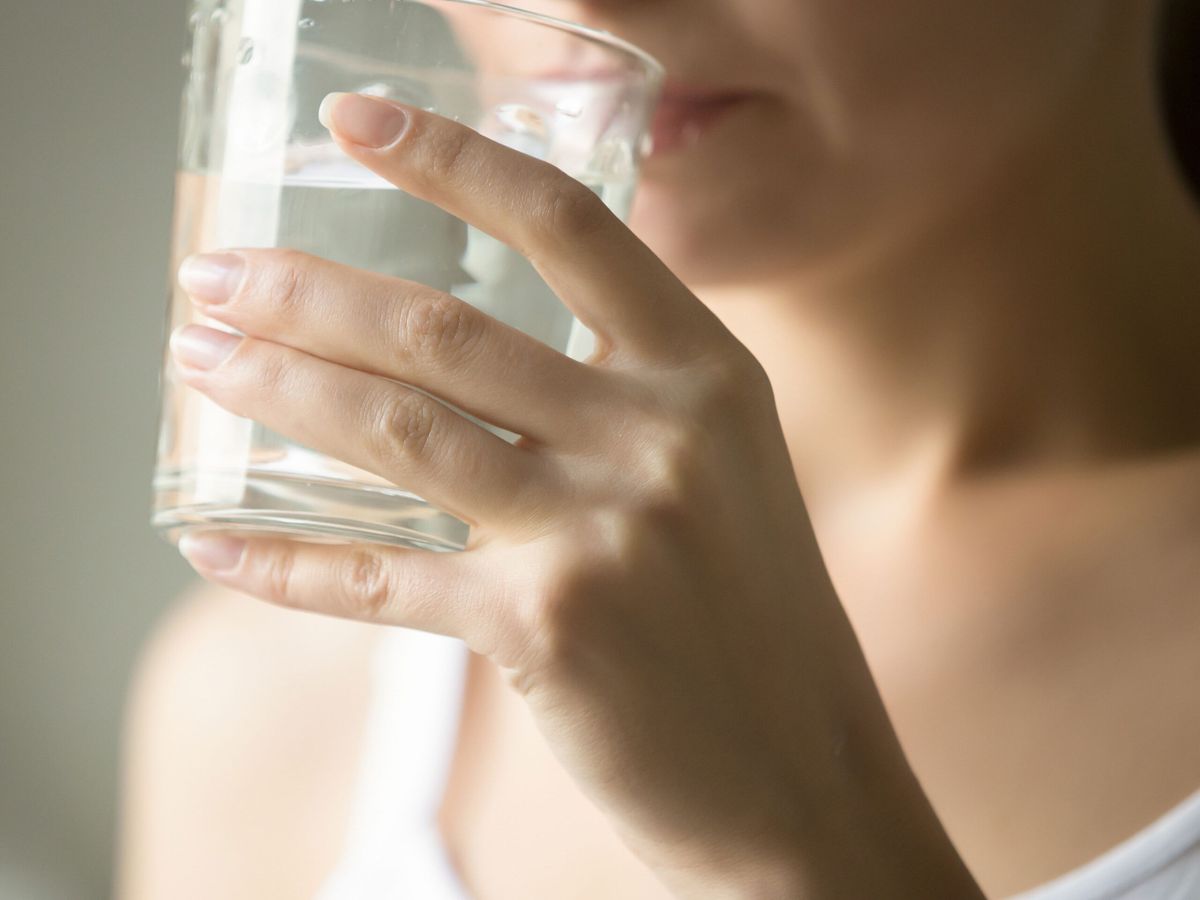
x=325, y=510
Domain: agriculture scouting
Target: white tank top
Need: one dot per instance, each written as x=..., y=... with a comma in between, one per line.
x=394, y=850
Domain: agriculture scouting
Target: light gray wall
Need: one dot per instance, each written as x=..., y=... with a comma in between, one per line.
x=88, y=121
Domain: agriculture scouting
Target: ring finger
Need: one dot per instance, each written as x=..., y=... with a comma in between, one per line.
x=394, y=431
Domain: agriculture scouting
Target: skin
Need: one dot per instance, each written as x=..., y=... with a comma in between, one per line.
x=595, y=577
x=996, y=446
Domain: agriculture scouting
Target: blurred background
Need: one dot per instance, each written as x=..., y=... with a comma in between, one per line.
x=90, y=100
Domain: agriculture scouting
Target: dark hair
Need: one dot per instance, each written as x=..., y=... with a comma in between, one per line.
x=1179, y=75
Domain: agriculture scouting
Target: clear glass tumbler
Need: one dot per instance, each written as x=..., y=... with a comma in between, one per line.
x=258, y=170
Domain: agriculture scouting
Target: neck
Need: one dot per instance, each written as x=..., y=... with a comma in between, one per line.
x=1048, y=318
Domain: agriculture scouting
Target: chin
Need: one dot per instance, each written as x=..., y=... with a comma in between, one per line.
x=749, y=202
x=709, y=240
x=697, y=258
x=657, y=220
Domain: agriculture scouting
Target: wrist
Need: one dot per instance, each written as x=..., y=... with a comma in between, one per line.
x=870, y=832
x=876, y=834
x=885, y=855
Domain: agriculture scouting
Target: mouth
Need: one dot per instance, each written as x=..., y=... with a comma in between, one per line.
x=685, y=114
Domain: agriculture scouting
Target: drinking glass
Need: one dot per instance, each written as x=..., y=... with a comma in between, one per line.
x=257, y=169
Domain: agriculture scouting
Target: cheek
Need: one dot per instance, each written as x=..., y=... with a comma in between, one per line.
x=758, y=199
x=890, y=119
x=922, y=81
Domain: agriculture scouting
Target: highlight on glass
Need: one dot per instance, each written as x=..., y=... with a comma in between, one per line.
x=258, y=169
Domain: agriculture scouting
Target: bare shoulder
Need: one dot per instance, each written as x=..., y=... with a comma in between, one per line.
x=1069, y=602
x=242, y=746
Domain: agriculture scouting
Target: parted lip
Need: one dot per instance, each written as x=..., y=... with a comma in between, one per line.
x=686, y=111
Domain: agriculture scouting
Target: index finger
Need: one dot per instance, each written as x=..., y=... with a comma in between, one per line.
x=597, y=266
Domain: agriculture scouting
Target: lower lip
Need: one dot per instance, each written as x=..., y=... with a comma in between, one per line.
x=680, y=124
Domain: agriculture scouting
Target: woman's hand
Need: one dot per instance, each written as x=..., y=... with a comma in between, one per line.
x=640, y=562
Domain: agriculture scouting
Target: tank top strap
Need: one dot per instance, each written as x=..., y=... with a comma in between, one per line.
x=393, y=847
x=1160, y=862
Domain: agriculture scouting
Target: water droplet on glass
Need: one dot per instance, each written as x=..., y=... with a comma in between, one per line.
x=571, y=108
x=186, y=59
x=219, y=16
x=305, y=24
x=521, y=128
x=521, y=119
x=245, y=50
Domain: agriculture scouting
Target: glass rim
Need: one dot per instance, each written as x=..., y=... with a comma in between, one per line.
x=599, y=35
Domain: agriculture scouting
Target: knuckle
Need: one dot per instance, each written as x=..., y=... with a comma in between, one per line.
x=676, y=469
x=577, y=597
x=559, y=613
x=406, y=425
x=270, y=367
x=744, y=369
x=733, y=387
x=739, y=375
x=574, y=212
x=278, y=570
x=288, y=280
x=255, y=375
x=440, y=326
x=623, y=534
x=366, y=584
x=445, y=151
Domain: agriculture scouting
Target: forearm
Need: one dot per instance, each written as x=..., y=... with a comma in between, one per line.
x=887, y=845
x=890, y=845
x=854, y=824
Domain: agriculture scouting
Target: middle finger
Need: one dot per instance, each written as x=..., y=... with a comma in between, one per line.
x=401, y=330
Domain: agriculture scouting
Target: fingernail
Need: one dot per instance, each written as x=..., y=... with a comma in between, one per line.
x=211, y=277
x=366, y=121
x=198, y=347
x=211, y=552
